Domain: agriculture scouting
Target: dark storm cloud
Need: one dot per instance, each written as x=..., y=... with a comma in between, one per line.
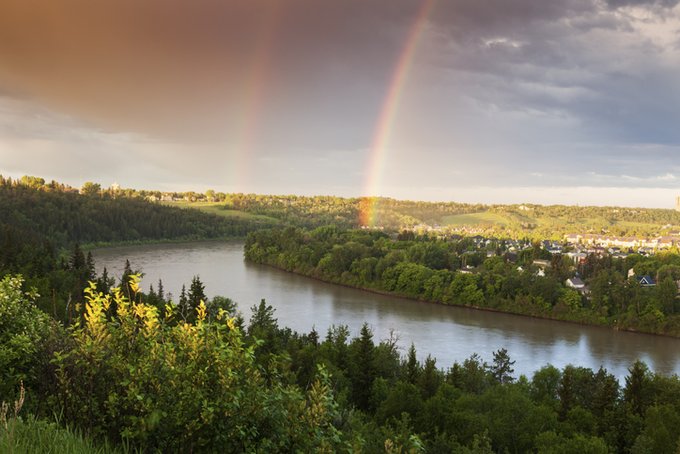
x=661, y=3
x=579, y=61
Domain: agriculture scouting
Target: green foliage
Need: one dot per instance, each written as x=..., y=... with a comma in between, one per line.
x=660, y=434
x=552, y=443
x=637, y=392
x=23, y=330
x=65, y=217
x=183, y=386
x=362, y=368
x=38, y=436
x=154, y=382
x=501, y=368
x=90, y=189
x=514, y=221
x=467, y=273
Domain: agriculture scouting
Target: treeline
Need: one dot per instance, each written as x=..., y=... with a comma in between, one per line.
x=345, y=212
x=144, y=379
x=536, y=222
x=458, y=272
x=65, y=217
x=502, y=221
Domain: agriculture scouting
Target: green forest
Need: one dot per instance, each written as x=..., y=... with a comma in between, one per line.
x=91, y=363
x=241, y=213
x=537, y=222
x=128, y=375
x=458, y=272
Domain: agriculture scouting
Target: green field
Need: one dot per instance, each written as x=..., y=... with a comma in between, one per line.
x=541, y=225
x=483, y=218
x=219, y=209
x=536, y=222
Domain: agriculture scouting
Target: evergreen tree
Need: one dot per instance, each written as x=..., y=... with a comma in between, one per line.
x=472, y=376
x=336, y=345
x=125, y=280
x=637, y=392
x=262, y=319
x=565, y=391
x=264, y=327
x=362, y=369
x=104, y=283
x=430, y=379
x=161, y=291
x=501, y=367
x=90, y=267
x=78, y=261
x=313, y=337
x=183, y=305
x=413, y=368
x=196, y=293
x=80, y=274
x=606, y=393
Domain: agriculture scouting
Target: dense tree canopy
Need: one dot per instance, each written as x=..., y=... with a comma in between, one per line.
x=460, y=272
x=156, y=382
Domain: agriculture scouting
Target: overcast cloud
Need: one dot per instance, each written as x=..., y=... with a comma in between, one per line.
x=577, y=98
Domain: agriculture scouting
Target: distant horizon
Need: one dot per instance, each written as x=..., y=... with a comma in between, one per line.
x=77, y=184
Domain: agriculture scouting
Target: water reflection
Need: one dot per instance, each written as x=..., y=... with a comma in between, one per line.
x=447, y=333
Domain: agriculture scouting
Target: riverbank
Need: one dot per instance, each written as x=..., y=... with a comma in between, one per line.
x=585, y=321
x=114, y=244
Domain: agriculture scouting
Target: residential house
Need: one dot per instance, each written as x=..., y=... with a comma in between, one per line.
x=647, y=281
x=576, y=283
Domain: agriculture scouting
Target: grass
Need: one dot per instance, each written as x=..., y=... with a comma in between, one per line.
x=488, y=218
x=219, y=209
x=32, y=435
x=472, y=219
x=44, y=437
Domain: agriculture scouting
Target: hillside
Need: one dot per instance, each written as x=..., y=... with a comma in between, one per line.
x=63, y=216
x=516, y=221
x=144, y=215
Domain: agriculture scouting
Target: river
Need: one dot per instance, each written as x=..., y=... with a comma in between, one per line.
x=447, y=333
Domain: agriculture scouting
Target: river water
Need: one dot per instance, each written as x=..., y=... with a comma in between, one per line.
x=447, y=333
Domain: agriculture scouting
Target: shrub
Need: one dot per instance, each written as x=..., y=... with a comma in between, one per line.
x=23, y=328
x=183, y=387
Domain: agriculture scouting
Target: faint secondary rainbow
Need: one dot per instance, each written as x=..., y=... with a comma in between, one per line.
x=254, y=91
x=383, y=130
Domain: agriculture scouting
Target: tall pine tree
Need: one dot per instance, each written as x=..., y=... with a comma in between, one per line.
x=362, y=368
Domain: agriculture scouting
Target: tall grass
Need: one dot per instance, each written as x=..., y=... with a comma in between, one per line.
x=19, y=435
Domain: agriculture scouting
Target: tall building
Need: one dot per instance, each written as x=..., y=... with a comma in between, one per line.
x=677, y=203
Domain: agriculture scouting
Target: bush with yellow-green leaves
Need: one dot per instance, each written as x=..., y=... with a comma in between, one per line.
x=175, y=386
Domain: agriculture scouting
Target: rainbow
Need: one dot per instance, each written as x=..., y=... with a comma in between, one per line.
x=254, y=91
x=378, y=150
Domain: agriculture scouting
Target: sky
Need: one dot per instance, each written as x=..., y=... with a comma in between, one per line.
x=493, y=101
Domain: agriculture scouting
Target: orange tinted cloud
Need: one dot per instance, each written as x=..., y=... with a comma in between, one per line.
x=165, y=66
